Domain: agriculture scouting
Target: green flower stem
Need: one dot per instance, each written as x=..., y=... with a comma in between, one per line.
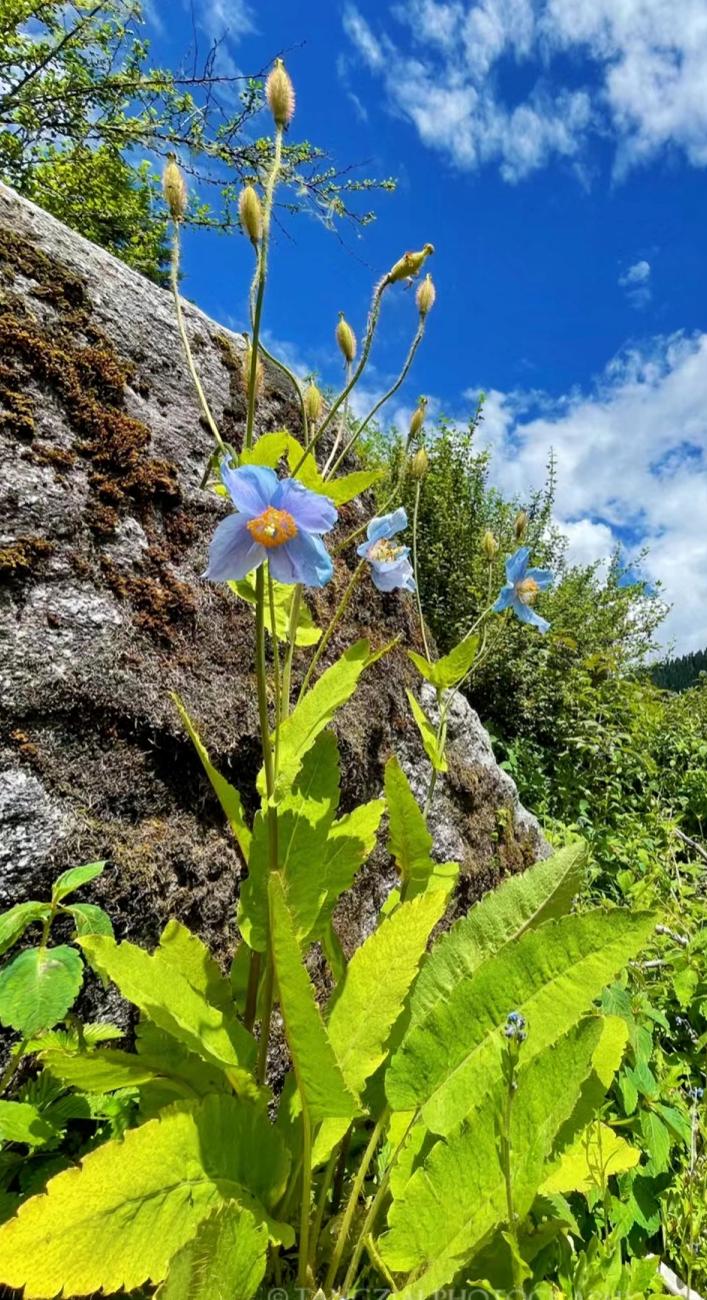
x=421, y=616
x=276, y=673
x=251, y=997
x=353, y=1200
x=12, y=1066
x=290, y=374
x=343, y=424
x=336, y=619
x=373, y=1210
x=306, y=1198
x=260, y=278
x=327, y=1179
x=372, y=322
x=181, y=325
x=291, y=642
x=510, y=1065
x=261, y=673
x=419, y=334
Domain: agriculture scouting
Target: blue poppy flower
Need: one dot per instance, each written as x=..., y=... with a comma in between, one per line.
x=390, y=566
x=278, y=520
x=522, y=586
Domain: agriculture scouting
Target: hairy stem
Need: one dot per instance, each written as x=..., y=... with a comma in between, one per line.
x=352, y=1202
x=306, y=1197
x=260, y=278
x=382, y=400
x=373, y=1210
x=181, y=325
x=336, y=619
x=291, y=641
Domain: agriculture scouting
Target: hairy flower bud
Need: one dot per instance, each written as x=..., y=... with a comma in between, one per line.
x=520, y=526
x=251, y=214
x=409, y=265
x=280, y=94
x=346, y=339
x=425, y=296
x=245, y=371
x=312, y=402
x=417, y=419
x=419, y=464
x=489, y=545
x=174, y=188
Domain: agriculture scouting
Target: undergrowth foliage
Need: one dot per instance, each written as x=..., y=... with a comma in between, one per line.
x=444, y=1121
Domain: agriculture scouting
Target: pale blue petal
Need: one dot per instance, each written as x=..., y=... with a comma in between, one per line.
x=543, y=577
x=364, y=548
x=304, y=559
x=505, y=598
x=387, y=525
x=310, y=510
x=527, y=614
x=251, y=487
x=392, y=576
x=517, y=564
x=233, y=552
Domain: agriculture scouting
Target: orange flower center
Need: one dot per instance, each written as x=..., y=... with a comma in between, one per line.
x=527, y=590
x=273, y=527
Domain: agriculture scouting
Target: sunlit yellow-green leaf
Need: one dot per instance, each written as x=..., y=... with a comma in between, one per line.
x=224, y=1260
x=227, y=795
x=428, y=735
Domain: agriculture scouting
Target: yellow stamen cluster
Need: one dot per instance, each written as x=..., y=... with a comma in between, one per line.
x=527, y=589
x=384, y=550
x=272, y=528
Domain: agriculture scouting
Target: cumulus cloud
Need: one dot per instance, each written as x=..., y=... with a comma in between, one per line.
x=636, y=282
x=631, y=467
x=646, y=77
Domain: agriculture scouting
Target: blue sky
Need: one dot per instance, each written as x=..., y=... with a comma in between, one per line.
x=555, y=153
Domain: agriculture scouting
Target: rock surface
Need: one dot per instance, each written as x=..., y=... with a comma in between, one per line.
x=103, y=536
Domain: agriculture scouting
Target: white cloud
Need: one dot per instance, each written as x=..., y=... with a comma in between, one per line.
x=645, y=75
x=636, y=282
x=631, y=467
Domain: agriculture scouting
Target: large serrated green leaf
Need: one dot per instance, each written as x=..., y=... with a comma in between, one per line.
x=307, y=632
x=14, y=922
x=592, y=1158
x=520, y=903
x=22, y=1122
x=319, y=1077
x=38, y=987
x=457, y=1197
x=227, y=795
x=552, y=975
x=269, y=449
x=315, y=711
x=225, y=1259
x=98, y=1071
x=341, y=490
x=367, y=1003
x=158, y=988
x=117, y=1220
x=350, y=842
x=186, y=952
x=409, y=840
x=304, y=816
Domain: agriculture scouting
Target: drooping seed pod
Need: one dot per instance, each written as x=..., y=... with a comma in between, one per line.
x=313, y=402
x=174, y=188
x=419, y=464
x=409, y=265
x=245, y=371
x=520, y=527
x=425, y=296
x=417, y=419
x=489, y=545
x=251, y=214
x=346, y=340
x=280, y=94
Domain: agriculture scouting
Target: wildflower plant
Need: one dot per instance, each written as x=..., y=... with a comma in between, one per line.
x=418, y=1124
